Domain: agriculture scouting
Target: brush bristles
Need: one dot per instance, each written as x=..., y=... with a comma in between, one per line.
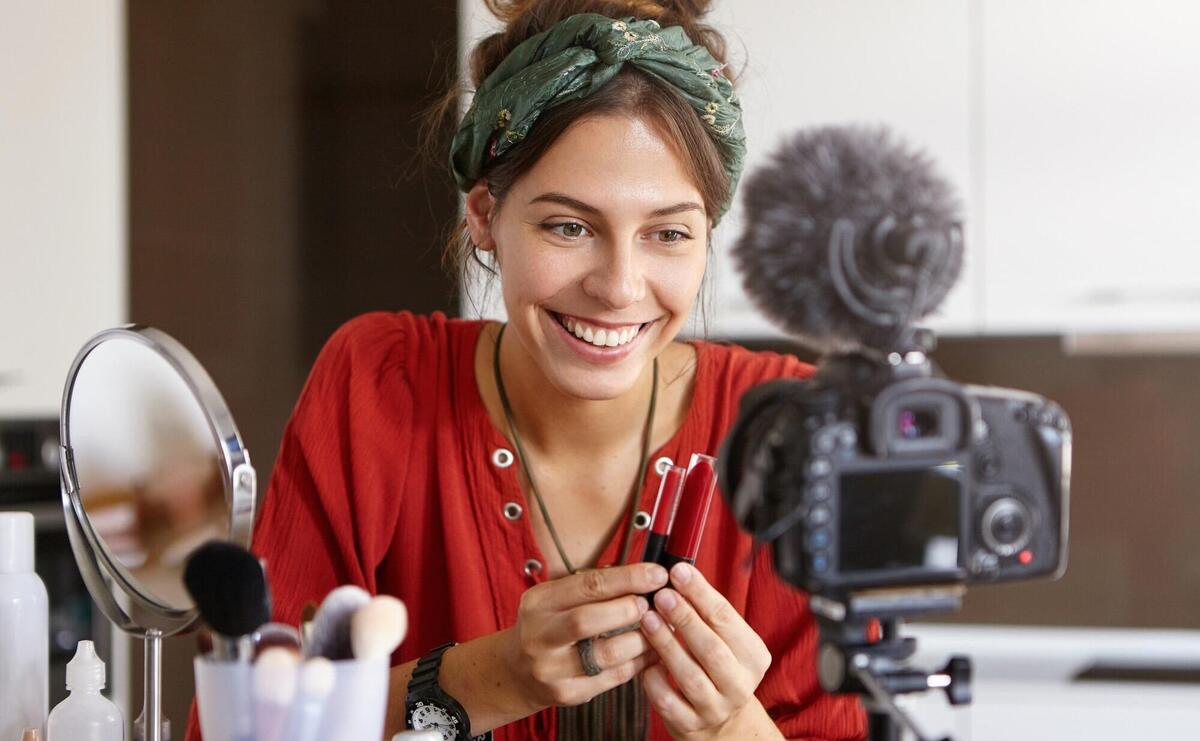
x=378, y=627
x=229, y=588
x=275, y=676
x=331, y=625
x=317, y=678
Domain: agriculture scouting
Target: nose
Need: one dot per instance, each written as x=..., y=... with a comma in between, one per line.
x=617, y=279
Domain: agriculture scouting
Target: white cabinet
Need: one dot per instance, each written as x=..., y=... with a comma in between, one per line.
x=62, y=191
x=1091, y=152
x=815, y=62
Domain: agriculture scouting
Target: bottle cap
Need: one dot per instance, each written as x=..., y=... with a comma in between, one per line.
x=85, y=672
x=16, y=542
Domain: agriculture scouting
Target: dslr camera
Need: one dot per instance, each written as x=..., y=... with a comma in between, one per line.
x=881, y=474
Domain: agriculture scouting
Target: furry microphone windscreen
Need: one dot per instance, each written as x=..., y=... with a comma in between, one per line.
x=849, y=236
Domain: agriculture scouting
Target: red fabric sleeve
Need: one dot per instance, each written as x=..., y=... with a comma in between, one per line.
x=312, y=532
x=790, y=691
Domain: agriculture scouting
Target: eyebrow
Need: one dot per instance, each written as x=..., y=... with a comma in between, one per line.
x=579, y=205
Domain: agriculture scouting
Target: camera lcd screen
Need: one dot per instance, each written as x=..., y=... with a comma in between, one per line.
x=899, y=520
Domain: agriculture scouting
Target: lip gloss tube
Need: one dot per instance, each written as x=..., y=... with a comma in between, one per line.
x=669, y=488
x=691, y=513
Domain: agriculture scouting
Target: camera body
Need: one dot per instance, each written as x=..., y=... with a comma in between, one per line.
x=880, y=473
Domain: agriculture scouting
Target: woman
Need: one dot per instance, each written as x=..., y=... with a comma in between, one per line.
x=470, y=468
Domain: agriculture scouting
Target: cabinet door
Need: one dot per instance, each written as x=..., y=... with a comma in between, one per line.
x=1092, y=176
x=813, y=62
x=62, y=191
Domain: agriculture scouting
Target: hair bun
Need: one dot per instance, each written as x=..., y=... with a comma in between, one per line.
x=525, y=18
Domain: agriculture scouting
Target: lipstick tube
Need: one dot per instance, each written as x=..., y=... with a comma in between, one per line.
x=669, y=488
x=687, y=527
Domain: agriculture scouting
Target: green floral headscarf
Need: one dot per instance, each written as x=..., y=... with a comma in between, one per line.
x=573, y=59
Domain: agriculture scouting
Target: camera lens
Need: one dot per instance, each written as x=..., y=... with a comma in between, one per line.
x=915, y=424
x=1007, y=526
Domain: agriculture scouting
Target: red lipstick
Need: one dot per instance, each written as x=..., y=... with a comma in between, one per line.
x=687, y=527
x=669, y=488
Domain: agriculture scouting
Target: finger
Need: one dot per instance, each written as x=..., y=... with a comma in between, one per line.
x=691, y=679
x=598, y=585
x=675, y=711
x=721, y=616
x=703, y=644
x=595, y=618
x=610, y=652
x=585, y=688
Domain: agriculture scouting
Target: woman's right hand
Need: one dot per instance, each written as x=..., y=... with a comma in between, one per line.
x=555, y=615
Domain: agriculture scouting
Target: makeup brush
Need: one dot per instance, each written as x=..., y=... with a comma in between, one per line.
x=230, y=590
x=331, y=625
x=274, y=689
x=317, y=678
x=378, y=627
x=276, y=635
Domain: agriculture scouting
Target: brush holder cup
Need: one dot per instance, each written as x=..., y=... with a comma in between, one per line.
x=352, y=711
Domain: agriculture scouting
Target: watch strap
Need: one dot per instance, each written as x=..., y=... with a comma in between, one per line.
x=424, y=687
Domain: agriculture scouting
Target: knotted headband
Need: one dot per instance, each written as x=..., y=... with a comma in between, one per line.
x=573, y=59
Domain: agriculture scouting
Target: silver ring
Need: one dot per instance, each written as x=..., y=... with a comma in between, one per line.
x=590, y=667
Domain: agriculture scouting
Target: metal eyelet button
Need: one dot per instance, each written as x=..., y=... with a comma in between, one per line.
x=641, y=520
x=502, y=457
x=533, y=566
x=512, y=511
x=662, y=464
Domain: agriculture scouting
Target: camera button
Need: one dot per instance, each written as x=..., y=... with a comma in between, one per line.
x=825, y=441
x=819, y=515
x=819, y=467
x=820, y=562
x=819, y=539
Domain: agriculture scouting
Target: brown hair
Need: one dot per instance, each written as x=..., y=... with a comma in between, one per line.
x=630, y=93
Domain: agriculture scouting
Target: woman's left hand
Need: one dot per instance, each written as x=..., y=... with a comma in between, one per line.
x=711, y=663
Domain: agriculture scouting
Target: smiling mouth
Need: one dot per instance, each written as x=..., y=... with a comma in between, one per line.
x=599, y=337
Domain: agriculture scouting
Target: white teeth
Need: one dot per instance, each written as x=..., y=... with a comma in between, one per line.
x=600, y=337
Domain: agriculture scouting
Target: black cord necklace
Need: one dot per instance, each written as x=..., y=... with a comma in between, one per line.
x=620, y=712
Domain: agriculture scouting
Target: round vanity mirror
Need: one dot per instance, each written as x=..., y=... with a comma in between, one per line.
x=152, y=467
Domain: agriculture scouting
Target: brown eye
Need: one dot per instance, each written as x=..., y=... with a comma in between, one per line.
x=671, y=236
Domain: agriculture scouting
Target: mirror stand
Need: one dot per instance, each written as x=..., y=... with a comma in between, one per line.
x=149, y=725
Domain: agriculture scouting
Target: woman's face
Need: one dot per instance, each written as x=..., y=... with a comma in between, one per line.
x=602, y=247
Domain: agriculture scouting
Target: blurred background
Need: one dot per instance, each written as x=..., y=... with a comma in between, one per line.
x=248, y=176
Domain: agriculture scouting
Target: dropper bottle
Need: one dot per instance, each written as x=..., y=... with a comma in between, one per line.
x=85, y=715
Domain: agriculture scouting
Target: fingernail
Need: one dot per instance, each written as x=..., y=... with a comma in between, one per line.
x=682, y=573
x=666, y=599
x=657, y=574
x=642, y=605
x=651, y=622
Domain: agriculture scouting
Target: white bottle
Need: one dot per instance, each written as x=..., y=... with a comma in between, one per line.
x=24, y=631
x=86, y=715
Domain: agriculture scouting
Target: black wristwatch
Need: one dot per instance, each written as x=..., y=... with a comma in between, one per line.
x=427, y=707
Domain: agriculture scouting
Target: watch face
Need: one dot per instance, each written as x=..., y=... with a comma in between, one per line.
x=426, y=716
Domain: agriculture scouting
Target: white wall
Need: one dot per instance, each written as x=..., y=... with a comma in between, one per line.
x=62, y=190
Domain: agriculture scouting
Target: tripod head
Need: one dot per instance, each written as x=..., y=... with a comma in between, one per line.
x=863, y=652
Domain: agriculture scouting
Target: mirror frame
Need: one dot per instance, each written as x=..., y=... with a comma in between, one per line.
x=116, y=591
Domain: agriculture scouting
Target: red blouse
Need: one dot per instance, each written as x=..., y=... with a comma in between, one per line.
x=386, y=479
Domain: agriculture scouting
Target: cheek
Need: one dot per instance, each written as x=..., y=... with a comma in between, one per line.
x=530, y=275
x=678, y=282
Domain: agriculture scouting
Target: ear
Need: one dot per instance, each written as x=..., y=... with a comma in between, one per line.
x=480, y=203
